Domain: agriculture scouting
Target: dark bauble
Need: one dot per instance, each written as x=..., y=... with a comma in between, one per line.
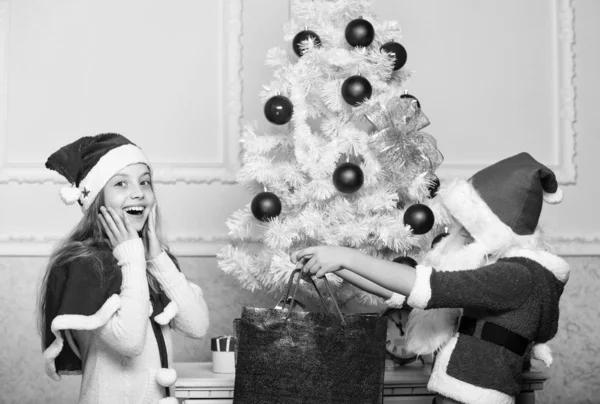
x=279, y=110
x=434, y=186
x=397, y=51
x=303, y=36
x=348, y=178
x=356, y=89
x=438, y=238
x=411, y=97
x=360, y=32
x=419, y=217
x=406, y=261
x=265, y=206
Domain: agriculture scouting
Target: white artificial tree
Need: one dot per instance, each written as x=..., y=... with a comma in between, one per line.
x=323, y=128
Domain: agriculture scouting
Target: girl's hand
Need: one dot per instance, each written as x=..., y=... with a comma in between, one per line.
x=320, y=260
x=153, y=247
x=118, y=230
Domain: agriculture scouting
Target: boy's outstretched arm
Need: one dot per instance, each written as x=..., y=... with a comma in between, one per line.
x=390, y=275
x=364, y=284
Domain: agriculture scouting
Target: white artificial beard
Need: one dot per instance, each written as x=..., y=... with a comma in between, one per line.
x=428, y=330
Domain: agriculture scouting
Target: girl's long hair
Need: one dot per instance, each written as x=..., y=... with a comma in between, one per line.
x=86, y=241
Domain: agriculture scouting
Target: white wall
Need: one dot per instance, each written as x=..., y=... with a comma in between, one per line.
x=497, y=77
x=494, y=77
x=167, y=75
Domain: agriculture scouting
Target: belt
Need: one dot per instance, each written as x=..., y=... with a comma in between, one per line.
x=496, y=334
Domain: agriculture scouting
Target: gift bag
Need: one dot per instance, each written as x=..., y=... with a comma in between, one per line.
x=285, y=356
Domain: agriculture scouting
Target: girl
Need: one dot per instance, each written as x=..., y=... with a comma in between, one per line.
x=509, y=305
x=112, y=291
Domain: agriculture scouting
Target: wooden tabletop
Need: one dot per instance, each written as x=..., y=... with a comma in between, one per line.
x=199, y=375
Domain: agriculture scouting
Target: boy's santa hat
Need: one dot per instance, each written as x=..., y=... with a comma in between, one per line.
x=500, y=205
x=89, y=162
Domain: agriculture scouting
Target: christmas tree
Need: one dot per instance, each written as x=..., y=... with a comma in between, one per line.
x=340, y=158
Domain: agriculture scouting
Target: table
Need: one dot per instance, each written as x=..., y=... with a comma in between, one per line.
x=196, y=384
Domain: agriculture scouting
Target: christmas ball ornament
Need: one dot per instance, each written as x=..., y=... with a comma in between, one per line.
x=412, y=98
x=406, y=261
x=360, y=32
x=303, y=36
x=419, y=217
x=356, y=89
x=348, y=178
x=279, y=110
x=438, y=238
x=397, y=51
x=434, y=186
x=265, y=206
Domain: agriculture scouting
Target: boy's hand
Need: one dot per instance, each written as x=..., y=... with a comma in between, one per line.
x=320, y=260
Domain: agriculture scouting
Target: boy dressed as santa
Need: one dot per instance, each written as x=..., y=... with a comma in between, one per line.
x=488, y=292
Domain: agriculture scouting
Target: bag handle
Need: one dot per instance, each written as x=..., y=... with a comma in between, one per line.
x=312, y=281
x=337, y=308
x=296, y=284
x=285, y=301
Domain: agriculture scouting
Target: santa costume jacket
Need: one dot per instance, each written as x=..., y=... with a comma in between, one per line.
x=105, y=323
x=511, y=306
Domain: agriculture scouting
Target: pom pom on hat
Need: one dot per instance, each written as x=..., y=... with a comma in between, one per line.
x=70, y=195
x=553, y=198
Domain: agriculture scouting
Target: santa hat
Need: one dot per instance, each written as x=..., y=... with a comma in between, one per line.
x=89, y=162
x=500, y=205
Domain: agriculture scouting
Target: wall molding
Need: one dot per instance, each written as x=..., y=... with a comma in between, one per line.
x=565, y=166
x=577, y=245
x=165, y=172
x=29, y=245
x=4, y=52
x=566, y=171
x=168, y=172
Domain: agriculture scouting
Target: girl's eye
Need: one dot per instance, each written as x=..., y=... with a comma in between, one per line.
x=145, y=182
x=120, y=184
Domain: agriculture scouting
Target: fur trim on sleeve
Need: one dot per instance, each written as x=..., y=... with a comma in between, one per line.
x=396, y=301
x=421, y=292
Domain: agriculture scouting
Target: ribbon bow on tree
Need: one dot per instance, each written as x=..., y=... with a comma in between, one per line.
x=398, y=138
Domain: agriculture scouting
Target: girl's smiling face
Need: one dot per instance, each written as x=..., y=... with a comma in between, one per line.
x=130, y=192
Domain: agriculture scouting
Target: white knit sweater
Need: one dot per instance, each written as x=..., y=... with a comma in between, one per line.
x=118, y=349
